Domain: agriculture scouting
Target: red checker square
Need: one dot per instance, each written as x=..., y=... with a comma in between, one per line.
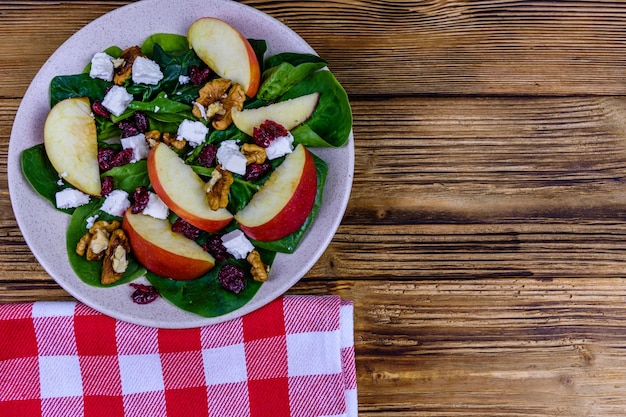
x=182, y=370
x=30, y=408
x=267, y=358
x=222, y=334
x=100, y=375
x=311, y=314
x=267, y=321
x=62, y=406
x=179, y=340
x=103, y=406
x=19, y=379
x=136, y=340
x=229, y=400
x=145, y=404
x=18, y=339
x=269, y=397
x=188, y=402
x=317, y=395
x=95, y=335
x=55, y=335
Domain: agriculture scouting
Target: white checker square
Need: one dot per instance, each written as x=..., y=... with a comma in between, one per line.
x=60, y=376
x=315, y=353
x=347, y=325
x=53, y=308
x=141, y=373
x=225, y=365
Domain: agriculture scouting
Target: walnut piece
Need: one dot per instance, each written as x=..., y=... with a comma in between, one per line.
x=124, y=70
x=115, y=260
x=218, y=187
x=254, y=153
x=259, y=270
x=216, y=100
x=95, y=242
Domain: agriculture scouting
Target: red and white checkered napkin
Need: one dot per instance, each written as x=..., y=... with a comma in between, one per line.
x=293, y=357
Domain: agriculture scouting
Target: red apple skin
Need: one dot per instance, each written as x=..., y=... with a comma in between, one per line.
x=294, y=213
x=202, y=223
x=162, y=261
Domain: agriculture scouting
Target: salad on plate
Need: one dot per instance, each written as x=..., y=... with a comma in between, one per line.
x=186, y=160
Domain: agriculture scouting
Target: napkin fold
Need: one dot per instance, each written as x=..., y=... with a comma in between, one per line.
x=293, y=357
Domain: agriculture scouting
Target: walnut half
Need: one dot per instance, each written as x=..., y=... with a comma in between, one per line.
x=259, y=270
x=218, y=188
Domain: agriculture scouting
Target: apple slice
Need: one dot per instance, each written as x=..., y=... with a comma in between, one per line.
x=226, y=51
x=183, y=191
x=163, y=251
x=284, y=202
x=71, y=143
x=289, y=113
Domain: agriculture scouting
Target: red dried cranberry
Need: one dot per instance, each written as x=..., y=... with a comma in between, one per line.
x=207, y=154
x=123, y=157
x=141, y=196
x=199, y=75
x=128, y=128
x=188, y=230
x=107, y=185
x=256, y=171
x=215, y=247
x=144, y=294
x=232, y=277
x=99, y=109
x=141, y=122
x=267, y=132
x=105, y=157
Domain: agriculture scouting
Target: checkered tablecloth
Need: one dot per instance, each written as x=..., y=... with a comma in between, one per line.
x=293, y=357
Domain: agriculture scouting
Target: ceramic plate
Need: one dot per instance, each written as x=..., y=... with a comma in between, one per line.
x=44, y=228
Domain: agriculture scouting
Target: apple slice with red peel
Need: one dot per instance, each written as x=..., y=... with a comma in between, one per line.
x=164, y=252
x=183, y=191
x=71, y=143
x=226, y=51
x=284, y=202
x=289, y=113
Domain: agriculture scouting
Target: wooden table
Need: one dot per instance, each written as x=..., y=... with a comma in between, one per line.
x=484, y=244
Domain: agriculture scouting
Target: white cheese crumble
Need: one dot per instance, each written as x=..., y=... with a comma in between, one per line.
x=184, y=79
x=102, y=67
x=280, y=146
x=91, y=220
x=156, y=207
x=194, y=132
x=146, y=71
x=237, y=244
x=116, y=203
x=231, y=158
x=70, y=198
x=117, y=100
x=139, y=146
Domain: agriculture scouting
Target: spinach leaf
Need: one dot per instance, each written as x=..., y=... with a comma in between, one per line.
x=80, y=85
x=168, y=42
x=130, y=176
x=89, y=271
x=278, y=79
x=41, y=175
x=160, y=104
x=260, y=47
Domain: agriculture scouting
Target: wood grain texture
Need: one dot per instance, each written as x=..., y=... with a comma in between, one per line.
x=483, y=244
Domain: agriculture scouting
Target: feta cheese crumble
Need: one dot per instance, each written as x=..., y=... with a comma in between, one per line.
x=70, y=198
x=146, y=71
x=102, y=67
x=237, y=244
x=156, y=207
x=116, y=203
x=280, y=146
x=184, y=79
x=138, y=144
x=117, y=100
x=91, y=220
x=231, y=158
x=194, y=132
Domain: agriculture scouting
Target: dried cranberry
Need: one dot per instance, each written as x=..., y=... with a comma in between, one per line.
x=99, y=109
x=123, y=157
x=144, y=294
x=256, y=171
x=128, y=128
x=141, y=122
x=141, y=196
x=105, y=157
x=199, y=75
x=232, y=277
x=188, y=230
x=215, y=247
x=206, y=156
x=267, y=132
x=107, y=185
